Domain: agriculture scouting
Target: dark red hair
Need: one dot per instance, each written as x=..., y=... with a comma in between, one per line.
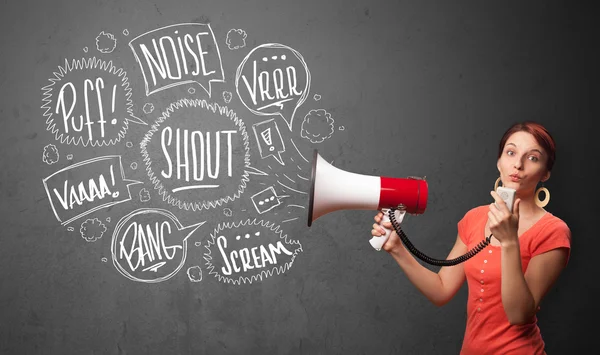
x=541, y=135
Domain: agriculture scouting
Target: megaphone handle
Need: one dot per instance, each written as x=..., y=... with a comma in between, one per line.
x=378, y=242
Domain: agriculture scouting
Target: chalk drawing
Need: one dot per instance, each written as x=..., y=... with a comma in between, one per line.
x=197, y=169
x=106, y=42
x=144, y=195
x=148, y=108
x=269, y=140
x=276, y=81
x=236, y=39
x=92, y=229
x=178, y=54
x=249, y=251
x=317, y=126
x=194, y=274
x=150, y=245
x=266, y=200
x=88, y=111
x=86, y=187
x=227, y=95
x=50, y=155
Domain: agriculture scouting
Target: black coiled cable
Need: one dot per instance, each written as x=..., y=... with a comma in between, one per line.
x=471, y=253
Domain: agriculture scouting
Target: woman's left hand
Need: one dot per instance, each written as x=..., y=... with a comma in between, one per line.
x=503, y=224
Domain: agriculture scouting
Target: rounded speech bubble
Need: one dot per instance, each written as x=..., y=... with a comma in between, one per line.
x=273, y=79
x=150, y=245
x=88, y=102
x=197, y=155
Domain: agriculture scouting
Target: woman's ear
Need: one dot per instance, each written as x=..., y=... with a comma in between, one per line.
x=546, y=176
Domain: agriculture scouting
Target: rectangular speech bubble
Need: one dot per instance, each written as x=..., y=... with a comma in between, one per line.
x=86, y=187
x=178, y=54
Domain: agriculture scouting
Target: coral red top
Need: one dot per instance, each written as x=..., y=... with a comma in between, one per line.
x=488, y=330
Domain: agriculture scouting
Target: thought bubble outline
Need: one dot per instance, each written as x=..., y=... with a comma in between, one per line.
x=162, y=212
x=279, y=269
x=223, y=111
x=127, y=182
x=90, y=63
x=302, y=98
x=207, y=90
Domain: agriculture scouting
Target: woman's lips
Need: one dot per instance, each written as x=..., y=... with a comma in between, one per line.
x=514, y=178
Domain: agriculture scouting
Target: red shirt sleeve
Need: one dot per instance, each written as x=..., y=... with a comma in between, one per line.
x=555, y=235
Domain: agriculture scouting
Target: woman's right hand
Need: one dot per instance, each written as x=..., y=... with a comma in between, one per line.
x=393, y=242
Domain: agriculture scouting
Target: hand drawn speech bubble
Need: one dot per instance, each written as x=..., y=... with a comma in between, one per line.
x=197, y=155
x=150, y=245
x=178, y=54
x=249, y=251
x=273, y=79
x=270, y=142
x=86, y=187
x=88, y=101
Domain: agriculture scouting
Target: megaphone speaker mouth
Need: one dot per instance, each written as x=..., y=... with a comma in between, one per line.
x=312, y=187
x=334, y=189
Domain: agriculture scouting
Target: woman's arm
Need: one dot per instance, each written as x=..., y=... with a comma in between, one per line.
x=440, y=287
x=522, y=293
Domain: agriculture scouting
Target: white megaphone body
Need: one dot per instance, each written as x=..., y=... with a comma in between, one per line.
x=334, y=189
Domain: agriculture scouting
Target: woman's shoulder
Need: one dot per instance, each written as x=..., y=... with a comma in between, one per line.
x=555, y=223
x=476, y=212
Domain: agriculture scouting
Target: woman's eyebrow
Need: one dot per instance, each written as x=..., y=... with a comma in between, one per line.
x=531, y=150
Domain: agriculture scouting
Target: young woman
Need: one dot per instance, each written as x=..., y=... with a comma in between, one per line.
x=508, y=279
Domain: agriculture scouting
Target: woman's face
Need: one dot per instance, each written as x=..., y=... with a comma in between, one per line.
x=522, y=163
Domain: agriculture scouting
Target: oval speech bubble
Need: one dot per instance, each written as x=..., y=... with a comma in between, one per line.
x=249, y=251
x=150, y=245
x=273, y=79
x=197, y=155
x=88, y=102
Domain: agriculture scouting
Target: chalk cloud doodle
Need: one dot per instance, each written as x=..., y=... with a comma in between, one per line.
x=148, y=108
x=88, y=102
x=272, y=80
x=227, y=95
x=86, y=187
x=150, y=245
x=92, y=229
x=317, y=126
x=50, y=155
x=106, y=42
x=178, y=54
x=194, y=273
x=236, y=38
x=144, y=195
x=249, y=251
x=269, y=140
x=189, y=155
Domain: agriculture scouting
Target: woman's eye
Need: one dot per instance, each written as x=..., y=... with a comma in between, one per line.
x=510, y=152
x=533, y=158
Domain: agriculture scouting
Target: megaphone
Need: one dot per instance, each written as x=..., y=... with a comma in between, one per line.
x=333, y=189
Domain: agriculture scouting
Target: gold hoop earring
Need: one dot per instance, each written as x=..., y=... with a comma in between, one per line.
x=544, y=202
x=496, y=184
